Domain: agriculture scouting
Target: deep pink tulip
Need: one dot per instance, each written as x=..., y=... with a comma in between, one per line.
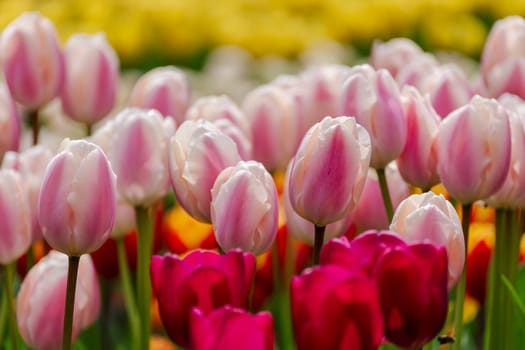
x=473, y=145
x=40, y=301
x=329, y=170
x=230, y=328
x=9, y=122
x=503, y=57
x=92, y=73
x=430, y=218
x=203, y=279
x=394, y=54
x=165, y=89
x=244, y=209
x=274, y=124
x=77, y=202
x=369, y=212
x=32, y=59
x=418, y=161
x=15, y=228
x=137, y=147
x=198, y=152
x=373, y=98
x=31, y=165
x=335, y=308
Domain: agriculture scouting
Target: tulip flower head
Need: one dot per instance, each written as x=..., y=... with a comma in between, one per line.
x=9, y=122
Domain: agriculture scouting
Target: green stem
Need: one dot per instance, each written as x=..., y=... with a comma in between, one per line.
x=35, y=125
x=387, y=201
x=318, y=242
x=460, y=288
x=70, y=301
x=89, y=129
x=283, y=317
x=9, y=275
x=145, y=246
x=129, y=297
x=3, y=316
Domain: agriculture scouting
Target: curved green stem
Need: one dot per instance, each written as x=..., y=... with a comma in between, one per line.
x=318, y=242
x=70, y=301
x=145, y=247
x=9, y=275
x=387, y=201
x=460, y=288
x=129, y=297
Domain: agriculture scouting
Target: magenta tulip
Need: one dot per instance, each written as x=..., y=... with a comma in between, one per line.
x=198, y=152
x=335, y=308
x=244, y=209
x=329, y=170
x=230, y=328
x=92, y=73
x=76, y=207
x=203, y=279
x=165, y=89
x=15, y=220
x=32, y=60
x=473, y=145
x=40, y=301
x=9, y=122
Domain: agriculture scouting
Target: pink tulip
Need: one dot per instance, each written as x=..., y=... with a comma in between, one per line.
x=335, y=308
x=429, y=218
x=374, y=99
x=15, y=229
x=203, y=279
x=31, y=165
x=165, y=89
x=138, y=151
x=198, y=152
x=40, y=302
x=394, y=54
x=125, y=220
x=274, y=124
x=92, y=73
x=244, y=208
x=473, y=145
x=369, y=212
x=230, y=328
x=503, y=57
x=415, y=71
x=329, y=170
x=76, y=207
x=418, y=161
x=9, y=122
x=32, y=59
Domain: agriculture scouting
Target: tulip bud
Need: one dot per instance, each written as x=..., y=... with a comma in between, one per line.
x=165, y=89
x=231, y=328
x=92, y=72
x=394, y=54
x=329, y=170
x=32, y=59
x=15, y=229
x=473, y=145
x=430, y=218
x=198, y=152
x=244, y=208
x=40, y=302
x=9, y=122
x=76, y=206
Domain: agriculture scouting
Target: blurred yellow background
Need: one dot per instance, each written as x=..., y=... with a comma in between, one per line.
x=146, y=33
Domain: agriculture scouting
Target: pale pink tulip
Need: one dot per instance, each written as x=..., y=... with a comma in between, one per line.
x=415, y=70
x=92, y=73
x=32, y=60
x=329, y=170
x=125, y=220
x=9, y=122
x=373, y=98
x=137, y=147
x=430, y=218
x=473, y=145
x=40, y=302
x=394, y=54
x=76, y=207
x=418, y=161
x=274, y=124
x=31, y=165
x=15, y=228
x=198, y=152
x=244, y=210
x=165, y=89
